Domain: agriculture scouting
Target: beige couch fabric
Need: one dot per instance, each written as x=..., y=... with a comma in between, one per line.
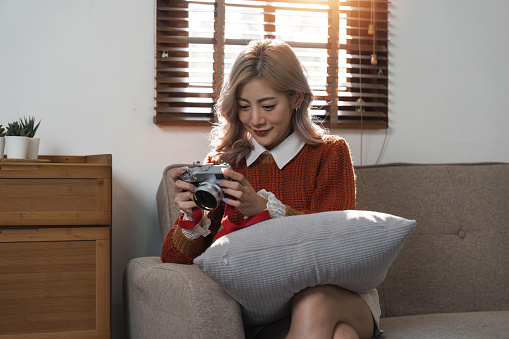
x=450, y=280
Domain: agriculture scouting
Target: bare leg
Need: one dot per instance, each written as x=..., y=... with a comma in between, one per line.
x=343, y=330
x=330, y=312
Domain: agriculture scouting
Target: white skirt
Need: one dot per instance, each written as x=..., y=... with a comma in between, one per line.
x=371, y=298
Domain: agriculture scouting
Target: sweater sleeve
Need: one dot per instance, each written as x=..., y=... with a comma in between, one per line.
x=177, y=248
x=335, y=180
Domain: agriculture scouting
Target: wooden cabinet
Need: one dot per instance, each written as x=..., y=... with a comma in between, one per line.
x=55, y=247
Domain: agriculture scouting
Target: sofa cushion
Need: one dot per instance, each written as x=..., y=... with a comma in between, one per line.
x=264, y=265
x=457, y=259
x=467, y=325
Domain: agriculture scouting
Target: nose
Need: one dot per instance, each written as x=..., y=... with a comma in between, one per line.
x=257, y=118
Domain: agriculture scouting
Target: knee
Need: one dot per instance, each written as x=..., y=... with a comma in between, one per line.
x=316, y=297
x=311, y=317
x=343, y=330
x=309, y=295
x=333, y=311
x=309, y=298
x=313, y=303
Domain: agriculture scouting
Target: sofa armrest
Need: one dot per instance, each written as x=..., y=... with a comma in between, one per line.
x=167, y=209
x=177, y=301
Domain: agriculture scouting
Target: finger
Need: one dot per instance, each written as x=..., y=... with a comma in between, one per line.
x=234, y=175
x=187, y=206
x=177, y=173
x=183, y=196
x=234, y=185
x=184, y=185
x=232, y=202
x=234, y=193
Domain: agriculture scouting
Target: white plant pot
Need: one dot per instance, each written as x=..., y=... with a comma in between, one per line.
x=16, y=147
x=33, y=148
x=2, y=147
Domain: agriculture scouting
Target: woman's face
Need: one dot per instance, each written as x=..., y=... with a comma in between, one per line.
x=265, y=113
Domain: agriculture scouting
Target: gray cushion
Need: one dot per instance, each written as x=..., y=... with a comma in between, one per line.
x=264, y=265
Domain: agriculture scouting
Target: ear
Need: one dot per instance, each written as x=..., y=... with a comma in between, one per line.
x=297, y=99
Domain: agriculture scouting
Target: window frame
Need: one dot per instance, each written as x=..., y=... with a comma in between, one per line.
x=362, y=102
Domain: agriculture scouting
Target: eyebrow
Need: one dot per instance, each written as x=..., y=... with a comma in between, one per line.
x=260, y=100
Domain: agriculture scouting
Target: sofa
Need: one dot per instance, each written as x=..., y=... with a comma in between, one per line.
x=450, y=279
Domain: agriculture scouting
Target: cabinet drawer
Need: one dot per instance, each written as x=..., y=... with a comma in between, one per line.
x=56, y=191
x=55, y=201
x=49, y=195
x=59, y=287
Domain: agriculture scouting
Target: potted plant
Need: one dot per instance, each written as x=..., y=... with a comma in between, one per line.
x=2, y=141
x=16, y=141
x=33, y=143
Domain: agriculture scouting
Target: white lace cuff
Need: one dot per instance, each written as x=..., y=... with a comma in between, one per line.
x=200, y=230
x=276, y=208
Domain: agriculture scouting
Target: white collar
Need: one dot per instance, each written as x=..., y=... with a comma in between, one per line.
x=282, y=153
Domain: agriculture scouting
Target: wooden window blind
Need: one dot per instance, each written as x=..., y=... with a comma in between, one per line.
x=197, y=41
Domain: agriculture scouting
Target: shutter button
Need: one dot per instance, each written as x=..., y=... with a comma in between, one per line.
x=461, y=235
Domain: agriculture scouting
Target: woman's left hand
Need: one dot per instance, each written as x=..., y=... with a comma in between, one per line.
x=246, y=200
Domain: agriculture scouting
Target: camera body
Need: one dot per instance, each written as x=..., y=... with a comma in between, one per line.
x=207, y=194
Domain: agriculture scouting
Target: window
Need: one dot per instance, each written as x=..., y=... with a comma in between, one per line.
x=345, y=57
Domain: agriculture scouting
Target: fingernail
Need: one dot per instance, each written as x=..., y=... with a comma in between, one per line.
x=218, y=181
x=224, y=199
x=194, y=188
x=226, y=170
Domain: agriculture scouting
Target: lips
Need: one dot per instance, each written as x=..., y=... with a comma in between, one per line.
x=261, y=133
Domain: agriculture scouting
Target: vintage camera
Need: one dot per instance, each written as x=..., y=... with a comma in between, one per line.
x=207, y=194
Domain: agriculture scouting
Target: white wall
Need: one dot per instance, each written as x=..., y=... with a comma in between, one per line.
x=85, y=67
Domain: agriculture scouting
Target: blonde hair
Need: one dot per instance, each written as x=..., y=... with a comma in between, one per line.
x=275, y=62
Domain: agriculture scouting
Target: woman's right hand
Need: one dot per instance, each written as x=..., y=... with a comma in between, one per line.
x=183, y=193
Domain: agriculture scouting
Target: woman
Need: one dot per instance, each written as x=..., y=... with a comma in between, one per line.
x=284, y=164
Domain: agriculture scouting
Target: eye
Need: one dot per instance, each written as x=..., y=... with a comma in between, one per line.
x=268, y=107
x=243, y=107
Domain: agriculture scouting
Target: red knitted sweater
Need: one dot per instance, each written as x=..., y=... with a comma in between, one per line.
x=320, y=178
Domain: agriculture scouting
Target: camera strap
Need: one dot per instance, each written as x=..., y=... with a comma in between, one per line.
x=229, y=226
x=189, y=224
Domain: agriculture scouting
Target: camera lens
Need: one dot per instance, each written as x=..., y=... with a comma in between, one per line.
x=207, y=196
x=206, y=200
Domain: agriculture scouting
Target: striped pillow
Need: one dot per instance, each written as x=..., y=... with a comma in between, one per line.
x=264, y=265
